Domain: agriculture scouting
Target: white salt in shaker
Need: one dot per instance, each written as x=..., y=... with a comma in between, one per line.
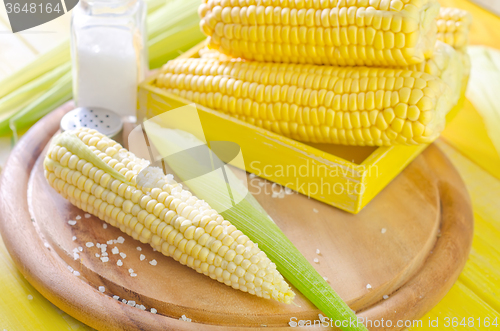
x=108, y=49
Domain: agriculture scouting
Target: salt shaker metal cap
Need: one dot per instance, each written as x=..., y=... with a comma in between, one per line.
x=103, y=120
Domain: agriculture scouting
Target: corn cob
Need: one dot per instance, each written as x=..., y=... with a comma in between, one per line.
x=324, y=104
x=99, y=176
x=334, y=32
x=445, y=63
x=453, y=27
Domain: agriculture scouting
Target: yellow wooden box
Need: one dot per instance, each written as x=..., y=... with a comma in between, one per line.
x=346, y=177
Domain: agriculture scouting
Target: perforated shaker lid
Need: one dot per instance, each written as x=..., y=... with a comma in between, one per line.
x=103, y=120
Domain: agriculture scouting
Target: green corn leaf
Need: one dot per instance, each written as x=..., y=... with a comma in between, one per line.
x=43, y=64
x=48, y=101
x=35, y=87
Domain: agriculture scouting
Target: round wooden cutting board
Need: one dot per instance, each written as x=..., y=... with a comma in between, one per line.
x=407, y=246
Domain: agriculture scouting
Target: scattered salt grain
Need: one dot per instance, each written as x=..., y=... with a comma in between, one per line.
x=131, y=303
x=315, y=210
x=115, y=250
x=89, y=244
x=71, y=222
x=97, y=255
x=78, y=217
x=70, y=269
x=119, y=263
x=317, y=251
x=133, y=275
x=325, y=278
x=102, y=289
x=252, y=176
x=154, y=249
x=139, y=248
x=123, y=255
x=120, y=240
x=76, y=256
x=87, y=215
x=104, y=259
x=142, y=257
x=46, y=245
x=130, y=270
x=141, y=307
x=104, y=226
x=184, y=318
x=80, y=249
x=98, y=245
x=124, y=301
x=116, y=297
x=153, y=262
x=368, y=286
x=154, y=311
x=384, y=230
x=76, y=273
x=386, y=297
x=30, y=297
x=109, y=242
x=104, y=254
x=316, y=261
x=73, y=238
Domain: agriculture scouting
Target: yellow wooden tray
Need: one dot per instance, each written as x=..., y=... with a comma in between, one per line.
x=346, y=177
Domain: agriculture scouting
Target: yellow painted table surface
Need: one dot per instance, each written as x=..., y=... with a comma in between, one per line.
x=475, y=295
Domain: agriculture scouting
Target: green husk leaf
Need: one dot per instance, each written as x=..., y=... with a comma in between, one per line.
x=42, y=105
x=172, y=43
x=36, y=86
x=41, y=65
x=253, y=222
x=154, y=5
x=483, y=87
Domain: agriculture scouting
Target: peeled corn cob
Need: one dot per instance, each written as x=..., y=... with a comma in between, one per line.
x=335, y=32
x=445, y=63
x=453, y=27
x=99, y=176
x=324, y=104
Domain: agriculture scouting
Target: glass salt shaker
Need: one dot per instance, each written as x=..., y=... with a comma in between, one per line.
x=109, y=53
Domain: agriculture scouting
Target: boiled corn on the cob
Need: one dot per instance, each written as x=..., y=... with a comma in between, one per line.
x=335, y=32
x=99, y=176
x=445, y=63
x=453, y=27
x=325, y=104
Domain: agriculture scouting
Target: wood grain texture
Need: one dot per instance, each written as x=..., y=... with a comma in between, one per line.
x=426, y=212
